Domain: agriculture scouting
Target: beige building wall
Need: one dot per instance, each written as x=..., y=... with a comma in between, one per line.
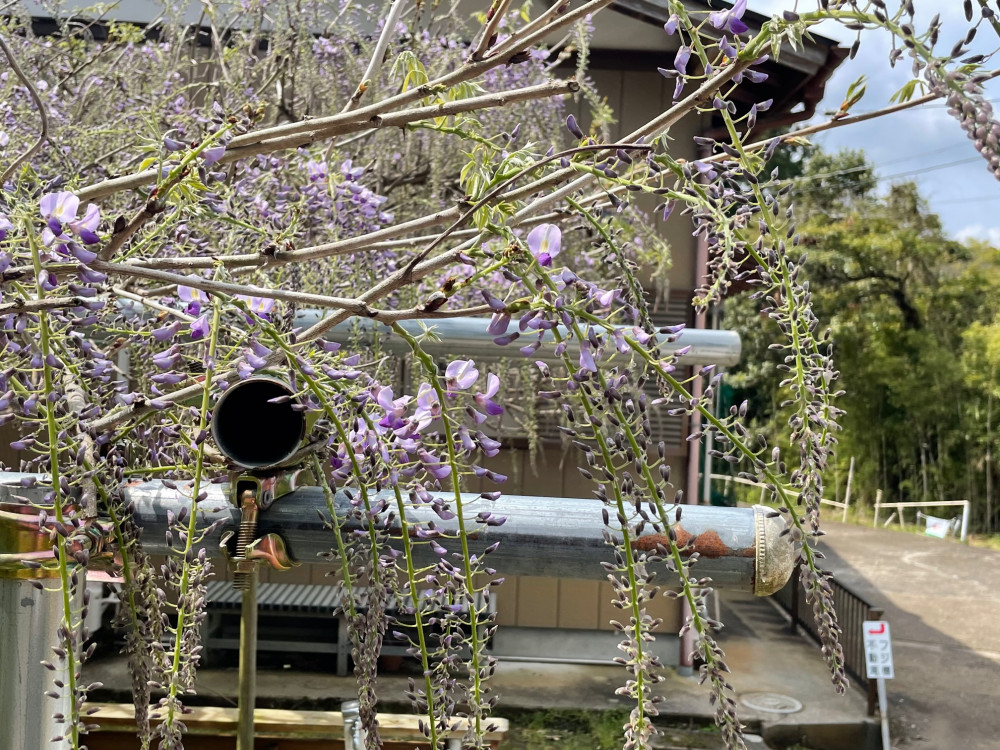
x=637, y=96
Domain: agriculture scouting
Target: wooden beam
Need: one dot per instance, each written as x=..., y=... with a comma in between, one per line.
x=273, y=723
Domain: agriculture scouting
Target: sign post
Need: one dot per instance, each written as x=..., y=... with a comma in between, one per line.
x=878, y=664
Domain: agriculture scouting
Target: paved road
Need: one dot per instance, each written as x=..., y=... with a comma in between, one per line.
x=942, y=600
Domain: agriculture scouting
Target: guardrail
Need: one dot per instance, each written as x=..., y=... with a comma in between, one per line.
x=852, y=611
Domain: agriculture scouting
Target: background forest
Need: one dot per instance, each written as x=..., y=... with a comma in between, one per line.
x=915, y=317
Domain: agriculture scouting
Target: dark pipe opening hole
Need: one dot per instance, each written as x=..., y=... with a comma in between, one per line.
x=253, y=432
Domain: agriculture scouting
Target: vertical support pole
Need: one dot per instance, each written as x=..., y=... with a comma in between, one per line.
x=248, y=664
x=874, y=613
x=29, y=620
x=883, y=711
x=847, y=492
x=965, y=521
x=796, y=596
x=878, y=502
x=350, y=711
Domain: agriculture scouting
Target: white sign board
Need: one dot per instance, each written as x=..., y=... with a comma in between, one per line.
x=878, y=650
x=938, y=527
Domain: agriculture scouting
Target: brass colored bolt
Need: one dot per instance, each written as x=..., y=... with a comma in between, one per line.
x=246, y=536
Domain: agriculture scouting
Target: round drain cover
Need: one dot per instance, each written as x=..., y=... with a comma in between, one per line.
x=773, y=702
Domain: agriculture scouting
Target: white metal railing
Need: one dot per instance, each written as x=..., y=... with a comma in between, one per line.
x=727, y=478
x=963, y=534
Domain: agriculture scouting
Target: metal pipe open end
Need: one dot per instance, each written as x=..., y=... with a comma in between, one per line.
x=775, y=556
x=256, y=425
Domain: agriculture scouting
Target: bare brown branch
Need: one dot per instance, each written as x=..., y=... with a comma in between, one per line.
x=43, y=134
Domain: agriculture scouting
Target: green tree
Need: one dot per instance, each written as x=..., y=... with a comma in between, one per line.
x=912, y=316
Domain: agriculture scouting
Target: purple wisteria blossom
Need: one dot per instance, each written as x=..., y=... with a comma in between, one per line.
x=200, y=327
x=167, y=359
x=498, y=324
x=213, y=154
x=194, y=298
x=316, y=171
x=351, y=172
x=167, y=332
x=86, y=227
x=395, y=408
x=489, y=446
x=545, y=242
x=681, y=59
x=59, y=210
x=485, y=400
x=47, y=280
x=461, y=375
x=254, y=359
x=435, y=466
x=428, y=406
x=260, y=306
x=731, y=19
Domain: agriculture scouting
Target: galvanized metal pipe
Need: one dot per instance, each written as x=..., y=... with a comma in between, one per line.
x=470, y=337
x=739, y=548
x=543, y=536
x=28, y=622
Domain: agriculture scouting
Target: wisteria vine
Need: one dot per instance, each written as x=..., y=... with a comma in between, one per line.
x=161, y=248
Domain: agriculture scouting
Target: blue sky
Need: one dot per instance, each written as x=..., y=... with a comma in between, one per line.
x=924, y=144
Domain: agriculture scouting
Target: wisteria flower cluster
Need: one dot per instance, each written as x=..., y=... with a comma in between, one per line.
x=165, y=238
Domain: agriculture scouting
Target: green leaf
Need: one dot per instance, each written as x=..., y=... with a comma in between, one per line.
x=905, y=93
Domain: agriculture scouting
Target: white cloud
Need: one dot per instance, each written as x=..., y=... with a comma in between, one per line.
x=979, y=232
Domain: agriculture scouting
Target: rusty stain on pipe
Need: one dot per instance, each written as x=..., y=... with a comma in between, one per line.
x=774, y=557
